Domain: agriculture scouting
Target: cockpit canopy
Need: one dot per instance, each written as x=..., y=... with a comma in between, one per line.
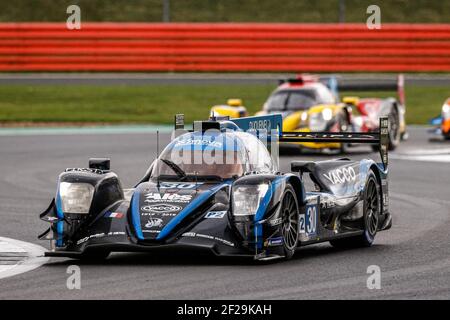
x=213, y=155
x=299, y=98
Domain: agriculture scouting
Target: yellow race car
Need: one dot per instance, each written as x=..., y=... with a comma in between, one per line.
x=233, y=109
x=308, y=103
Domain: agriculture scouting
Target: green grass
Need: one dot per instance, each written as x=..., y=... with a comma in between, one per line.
x=158, y=103
x=429, y=11
x=136, y=104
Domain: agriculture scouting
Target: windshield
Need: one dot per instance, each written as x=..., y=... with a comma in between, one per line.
x=192, y=158
x=292, y=100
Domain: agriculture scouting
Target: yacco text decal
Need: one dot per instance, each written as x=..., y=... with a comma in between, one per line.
x=161, y=208
x=339, y=176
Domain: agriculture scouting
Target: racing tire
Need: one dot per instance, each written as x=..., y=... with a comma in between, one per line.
x=394, y=131
x=371, y=217
x=95, y=256
x=289, y=214
x=344, y=126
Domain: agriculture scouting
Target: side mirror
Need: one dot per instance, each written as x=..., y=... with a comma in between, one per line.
x=353, y=101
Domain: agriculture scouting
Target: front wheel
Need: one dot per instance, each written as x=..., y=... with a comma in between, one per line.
x=289, y=213
x=371, y=217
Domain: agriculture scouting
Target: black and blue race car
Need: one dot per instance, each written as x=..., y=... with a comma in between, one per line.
x=218, y=188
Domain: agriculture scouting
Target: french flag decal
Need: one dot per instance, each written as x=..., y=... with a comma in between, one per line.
x=117, y=215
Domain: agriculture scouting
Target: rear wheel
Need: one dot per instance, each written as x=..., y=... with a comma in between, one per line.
x=394, y=129
x=371, y=217
x=344, y=126
x=289, y=213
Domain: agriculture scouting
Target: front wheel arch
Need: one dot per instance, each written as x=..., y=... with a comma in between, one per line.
x=297, y=184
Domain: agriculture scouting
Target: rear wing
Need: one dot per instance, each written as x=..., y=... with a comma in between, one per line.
x=330, y=81
x=271, y=126
x=381, y=138
x=375, y=85
x=274, y=123
x=335, y=85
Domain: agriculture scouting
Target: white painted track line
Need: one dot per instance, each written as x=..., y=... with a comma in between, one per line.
x=425, y=158
x=18, y=257
x=423, y=154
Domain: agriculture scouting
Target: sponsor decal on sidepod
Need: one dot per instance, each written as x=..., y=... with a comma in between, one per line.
x=339, y=176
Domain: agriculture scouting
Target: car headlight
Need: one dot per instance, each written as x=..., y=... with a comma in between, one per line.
x=358, y=122
x=317, y=123
x=304, y=116
x=303, y=119
x=76, y=197
x=327, y=114
x=246, y=199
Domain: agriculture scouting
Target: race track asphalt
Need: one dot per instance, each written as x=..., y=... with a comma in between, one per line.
x=414, y=256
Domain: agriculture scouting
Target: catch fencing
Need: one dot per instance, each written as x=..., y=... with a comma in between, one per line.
x=224, y=47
